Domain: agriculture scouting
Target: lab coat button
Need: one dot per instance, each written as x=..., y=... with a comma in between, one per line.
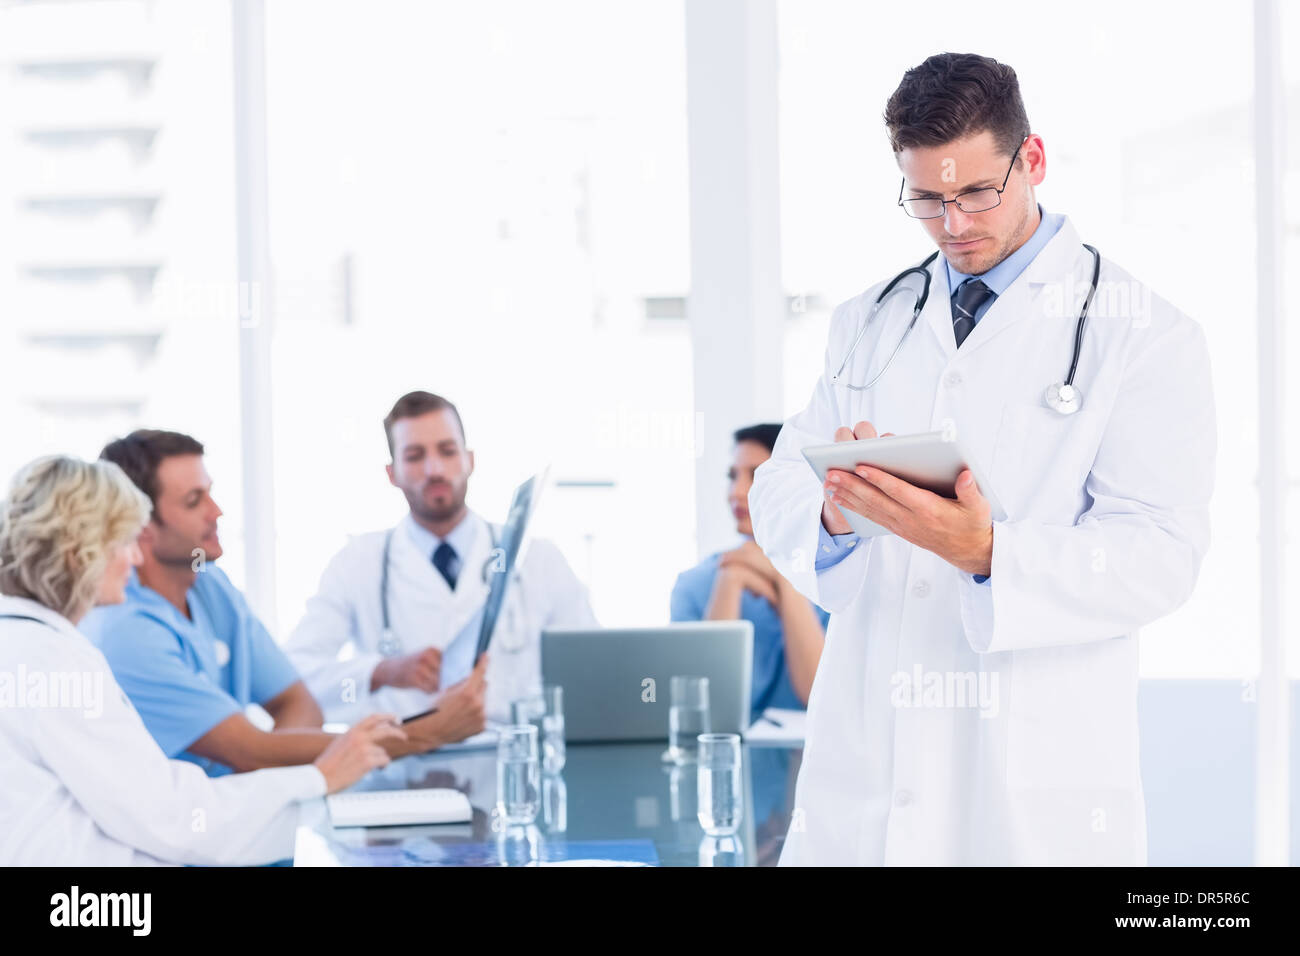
x=952, y=379
x=902, y=798
x=921, y=588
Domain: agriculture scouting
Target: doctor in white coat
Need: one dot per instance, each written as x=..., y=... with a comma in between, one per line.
x=439, y=559
x=84, y=782
x=976, y=700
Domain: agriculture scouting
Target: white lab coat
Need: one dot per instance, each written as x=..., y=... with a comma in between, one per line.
x=1107, y=523
x=82, y=782
x=337, y=644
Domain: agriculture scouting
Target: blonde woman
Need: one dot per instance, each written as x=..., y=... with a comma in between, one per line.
x=84, y=783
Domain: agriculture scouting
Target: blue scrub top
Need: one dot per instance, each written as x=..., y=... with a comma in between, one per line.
x=169, y=665
x=771, y=681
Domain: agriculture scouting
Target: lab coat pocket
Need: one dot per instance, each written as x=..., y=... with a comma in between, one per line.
x=1041, y=460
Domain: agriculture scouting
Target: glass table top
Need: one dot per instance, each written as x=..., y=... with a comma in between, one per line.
x=616, y=803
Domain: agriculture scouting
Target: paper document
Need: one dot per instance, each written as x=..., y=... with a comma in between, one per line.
x=778, y=726
x=484, y=740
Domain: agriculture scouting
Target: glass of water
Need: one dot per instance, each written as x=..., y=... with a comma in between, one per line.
x=722, y=851
x=720, y=784
x=544, y=711
x=553, y=753
x=518, y=792
x=528, y=710
x=555, y=803
x=688, y=717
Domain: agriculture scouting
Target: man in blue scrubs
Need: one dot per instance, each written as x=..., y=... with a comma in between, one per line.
x=188, y=650
x=741, y=584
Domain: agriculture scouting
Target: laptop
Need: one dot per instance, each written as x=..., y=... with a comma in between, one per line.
x=617, y=681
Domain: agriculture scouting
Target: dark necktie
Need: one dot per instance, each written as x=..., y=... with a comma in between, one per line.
x=971, y=294
x=444, y=559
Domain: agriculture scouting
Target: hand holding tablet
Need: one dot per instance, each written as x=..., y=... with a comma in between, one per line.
x=931, y=461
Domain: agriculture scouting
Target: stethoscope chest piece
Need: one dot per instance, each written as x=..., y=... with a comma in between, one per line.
x=1066, y=399
x=388, y=644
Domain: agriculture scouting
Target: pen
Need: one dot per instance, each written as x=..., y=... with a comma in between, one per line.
x=423, y=713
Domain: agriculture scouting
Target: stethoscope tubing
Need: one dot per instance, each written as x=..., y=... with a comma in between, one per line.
x=386, y=629
x=923, y=269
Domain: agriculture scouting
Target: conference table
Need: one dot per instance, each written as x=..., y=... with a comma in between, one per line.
x=612, y=804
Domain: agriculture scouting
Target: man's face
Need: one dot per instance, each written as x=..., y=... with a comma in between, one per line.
x=185, y=523
x=975, y=242
x=748, y=456
x=431, y=465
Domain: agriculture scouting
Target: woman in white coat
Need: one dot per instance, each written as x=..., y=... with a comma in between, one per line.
x=84, y=782
x=976, y=702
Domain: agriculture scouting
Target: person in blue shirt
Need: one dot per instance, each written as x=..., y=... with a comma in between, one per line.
x=190, y=653
x=741, y=584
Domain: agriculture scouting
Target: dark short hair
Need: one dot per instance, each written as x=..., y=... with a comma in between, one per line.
x=954, y=95
x=413, y=404
x=765, y=435
x=140, y=453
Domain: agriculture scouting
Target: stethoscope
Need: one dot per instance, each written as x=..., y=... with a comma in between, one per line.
x=1063, y=397
x=391, y=646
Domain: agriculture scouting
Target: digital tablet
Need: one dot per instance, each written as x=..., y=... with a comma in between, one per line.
x=931, y=460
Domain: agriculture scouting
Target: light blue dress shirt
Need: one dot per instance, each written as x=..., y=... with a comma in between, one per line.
x=1000, y=277
x=832, y=549
x=181, y=681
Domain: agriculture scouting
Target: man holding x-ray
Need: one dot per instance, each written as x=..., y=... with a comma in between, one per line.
x=976, y=699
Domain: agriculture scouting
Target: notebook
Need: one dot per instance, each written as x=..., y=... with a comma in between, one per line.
x=395, y=808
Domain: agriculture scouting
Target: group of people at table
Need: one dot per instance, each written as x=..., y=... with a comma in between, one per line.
x=130, y=664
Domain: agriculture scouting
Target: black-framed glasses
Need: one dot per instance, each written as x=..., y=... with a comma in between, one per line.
x=973, y=200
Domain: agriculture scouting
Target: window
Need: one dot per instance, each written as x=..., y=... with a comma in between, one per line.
x=486, y=204
x=117, y=276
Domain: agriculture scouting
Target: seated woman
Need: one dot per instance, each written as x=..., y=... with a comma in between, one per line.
x=741, y=584
x=84, y=782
